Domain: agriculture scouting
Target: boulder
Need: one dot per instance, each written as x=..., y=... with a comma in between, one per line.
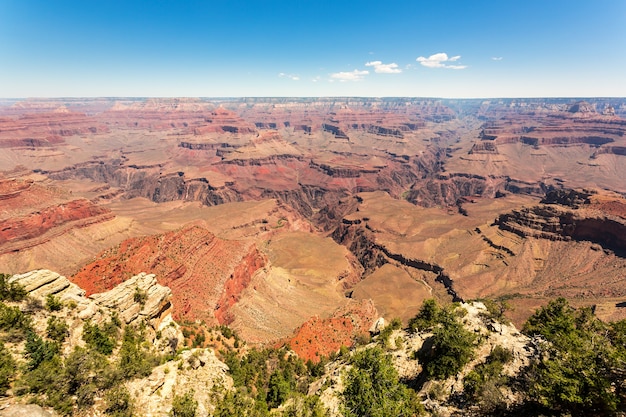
x=138, y=299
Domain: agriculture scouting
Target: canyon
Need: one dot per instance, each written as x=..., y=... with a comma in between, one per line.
x=302, y=221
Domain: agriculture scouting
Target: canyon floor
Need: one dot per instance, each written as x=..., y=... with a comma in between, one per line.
x=303, y=221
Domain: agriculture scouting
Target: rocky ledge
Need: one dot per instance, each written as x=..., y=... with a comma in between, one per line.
x=572, y=215
x=139, y=299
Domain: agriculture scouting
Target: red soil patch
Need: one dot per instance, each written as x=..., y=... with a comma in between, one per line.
x=321, y=337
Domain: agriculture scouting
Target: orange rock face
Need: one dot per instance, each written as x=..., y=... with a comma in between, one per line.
x=204, y=272
x=322, y=337
x=33, y=214
x=238, y=281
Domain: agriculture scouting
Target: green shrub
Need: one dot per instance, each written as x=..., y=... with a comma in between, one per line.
x=483, y=385
x=269, y=376
x=497, y=309
x=384, y=335
x=239, y=403
x=226, y=331
x=373, y=388
x=57, y=329
x=582, y=366
x=306, y=406
x=199, y=340
x=12, y=320
x=118, y=402
x=452, y=347
x=430, y=315
x=140, y=296
x=184, y=406
x=53, y=303
x=99, y=339
x=134, y=360
x=7, y=369
x=37, y=350
x=11, y=291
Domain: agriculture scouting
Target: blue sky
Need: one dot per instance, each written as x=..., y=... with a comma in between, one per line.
x=529, y=48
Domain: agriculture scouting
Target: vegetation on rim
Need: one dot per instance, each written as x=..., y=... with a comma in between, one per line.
x=579, y=367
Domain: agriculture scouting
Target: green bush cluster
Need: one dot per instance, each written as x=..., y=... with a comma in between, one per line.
x=385, y=334
x=184, y=405
x=135, y=360
x=450, y=347
x=582, y=366
x=269, y=377
x=430, y=315
x=119, y=402
x=11, y=291
x=14, y=322
x=7, y=369
x=57, y=329
x=73, y=382
x=482, y=386
x=373, y=388
x=53, y=303
x=100, y=338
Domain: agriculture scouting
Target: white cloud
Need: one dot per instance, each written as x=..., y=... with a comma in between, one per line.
x=355, y=75
x=290, y=76
x=381, y=68
x=496, y=58
x=440, y=61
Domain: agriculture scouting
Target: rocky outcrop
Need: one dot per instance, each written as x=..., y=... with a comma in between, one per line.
x=194, y=369
x=322, y=337
x=140, y=299
x=611, y=150
x=447, y=189
x=578, y=220
x=43, y=282
x=238, y=281
x=475, y=318
x=17, y=233
x=191, y=261
x=358, y=237
x=149, y=182
x=335, y=130
x=26, y=410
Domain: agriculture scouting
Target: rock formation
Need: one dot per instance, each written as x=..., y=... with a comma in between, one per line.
x=192, y=261
x=407, y=188
x=140, y=299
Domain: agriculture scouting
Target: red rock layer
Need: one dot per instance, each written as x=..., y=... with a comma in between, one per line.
x=239, y=280
x=36, y=224
x=194, y=263
x=32, y=214
x=554, y=128
x=321, y=337
x=45, y=129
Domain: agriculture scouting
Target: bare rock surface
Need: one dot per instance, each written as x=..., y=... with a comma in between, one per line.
x=197, y=369
x=43, y=282
x=26, y=410
x=137, y=299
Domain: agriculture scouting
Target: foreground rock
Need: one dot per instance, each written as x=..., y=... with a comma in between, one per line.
x=197, y=370
x=402, y=347
x=138, y=300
